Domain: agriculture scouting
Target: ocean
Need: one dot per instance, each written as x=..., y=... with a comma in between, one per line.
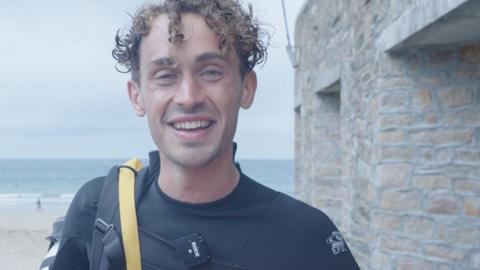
x=55, y=181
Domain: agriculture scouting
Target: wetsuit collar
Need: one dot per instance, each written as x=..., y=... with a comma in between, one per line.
x=154, y=156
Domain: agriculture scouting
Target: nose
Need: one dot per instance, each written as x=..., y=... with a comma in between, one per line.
x=189, y=93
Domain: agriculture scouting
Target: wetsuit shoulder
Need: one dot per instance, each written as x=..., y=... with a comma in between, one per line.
x=295, y=234
x=85, y=202
x=303, y=215
x=78, y=227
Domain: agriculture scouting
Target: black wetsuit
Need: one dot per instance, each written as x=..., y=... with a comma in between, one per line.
x=253, y=228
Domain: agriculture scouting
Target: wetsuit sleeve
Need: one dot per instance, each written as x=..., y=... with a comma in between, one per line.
x=322, y=243
x=294, y=235
x=73, y=252
x=332, y=248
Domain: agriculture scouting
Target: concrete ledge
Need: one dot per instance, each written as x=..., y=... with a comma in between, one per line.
x=433, y=22
x=323, y=82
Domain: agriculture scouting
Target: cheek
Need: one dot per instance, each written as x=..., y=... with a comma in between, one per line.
x=155, y=107
x=155, y=99
x=231, y=108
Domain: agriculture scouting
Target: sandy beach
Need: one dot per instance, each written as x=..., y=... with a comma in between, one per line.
x=22, y=235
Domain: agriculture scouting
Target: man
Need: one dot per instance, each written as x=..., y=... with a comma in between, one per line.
x=192, y=69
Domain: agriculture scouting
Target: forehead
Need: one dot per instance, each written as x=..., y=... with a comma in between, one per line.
x=199, y=38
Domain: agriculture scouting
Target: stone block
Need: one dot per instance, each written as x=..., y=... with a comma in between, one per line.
x=401, y=201
x=463, y=235
x=470, y=54
x=381, y=261
x=395, y=83
x=444, y=155
x=394, y=101
x=397, y=153
x=422, y=100
x=442, y=137
x=459, y=171
x=392, y=137
x=328, y=171
x=420, y=227
x=399, y=244
x=327, y=191
x=467, y=186
x=333, y=135
x=387, y=222
x=330, y=153
x=442, y=204
x=471, y=206
x=440, y=58
x=396, y=120
x=393, y=175
x=442, y=232
x=371, y=192
x=413, y=62
x=430, y=120
x=471, y=156
x=452, y=118
x=408, y=263
x=431, y=181
x=456, y=96
x=429, y=80
x=464, y=71
x=426, y=155
x=471, y=117
x=393, y=66
x=363, y=169
x=444, y=252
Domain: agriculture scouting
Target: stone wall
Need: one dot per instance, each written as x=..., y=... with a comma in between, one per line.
x=389, y=146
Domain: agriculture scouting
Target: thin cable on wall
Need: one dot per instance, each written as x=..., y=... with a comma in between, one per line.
x=290, y=49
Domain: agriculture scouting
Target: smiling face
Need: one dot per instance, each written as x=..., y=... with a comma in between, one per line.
x=191, y=93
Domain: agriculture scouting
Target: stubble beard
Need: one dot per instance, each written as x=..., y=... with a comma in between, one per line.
x=193, y=155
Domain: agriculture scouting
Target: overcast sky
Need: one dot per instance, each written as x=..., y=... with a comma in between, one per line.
x=60, y=96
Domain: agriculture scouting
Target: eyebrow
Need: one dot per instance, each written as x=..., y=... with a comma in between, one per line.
x=164, y=61
x=170, y=61
x=210, y=55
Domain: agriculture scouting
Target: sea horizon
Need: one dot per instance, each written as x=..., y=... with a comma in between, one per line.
x=54, y=181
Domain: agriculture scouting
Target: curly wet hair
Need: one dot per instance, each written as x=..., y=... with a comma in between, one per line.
x=235, y=27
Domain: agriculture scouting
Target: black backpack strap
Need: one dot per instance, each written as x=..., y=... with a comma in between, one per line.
x=105, y=238
x=107, y=206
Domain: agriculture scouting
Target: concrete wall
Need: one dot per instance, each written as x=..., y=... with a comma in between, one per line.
x=388, y=145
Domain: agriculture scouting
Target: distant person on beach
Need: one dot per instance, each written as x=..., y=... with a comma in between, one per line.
x=192, y=69
x=39, y=204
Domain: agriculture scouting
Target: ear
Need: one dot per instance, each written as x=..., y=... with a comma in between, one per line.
x=135, y=97
x=248, y=89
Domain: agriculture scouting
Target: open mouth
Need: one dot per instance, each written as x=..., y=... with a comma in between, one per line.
x=192, y=125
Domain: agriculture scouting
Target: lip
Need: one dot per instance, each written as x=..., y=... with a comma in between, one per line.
x=189, y=119
x=191, y=135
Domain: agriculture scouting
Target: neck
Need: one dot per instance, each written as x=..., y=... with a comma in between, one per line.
x=198, y=185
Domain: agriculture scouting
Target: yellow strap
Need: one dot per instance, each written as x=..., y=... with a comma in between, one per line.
x=128, y=215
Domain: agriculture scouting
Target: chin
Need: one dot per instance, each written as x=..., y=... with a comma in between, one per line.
x=194, y=157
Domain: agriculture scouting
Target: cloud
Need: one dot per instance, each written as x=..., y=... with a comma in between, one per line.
x=61, y=97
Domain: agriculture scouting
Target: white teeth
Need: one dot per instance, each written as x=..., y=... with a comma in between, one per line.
x=191, y=125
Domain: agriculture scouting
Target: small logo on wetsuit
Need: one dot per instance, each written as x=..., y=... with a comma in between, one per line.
x=195, y=249
x=336, y=240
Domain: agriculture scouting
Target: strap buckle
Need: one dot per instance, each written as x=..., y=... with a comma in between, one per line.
x=112, y=245
x=102, y=226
